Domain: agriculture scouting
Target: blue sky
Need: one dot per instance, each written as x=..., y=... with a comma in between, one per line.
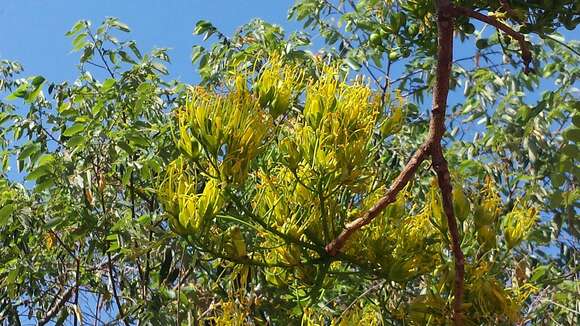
x=33, y=30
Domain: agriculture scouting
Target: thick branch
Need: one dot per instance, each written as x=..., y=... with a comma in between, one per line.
x=524, y=46
x=444, y=181
x=437, y=128
x=400, y=182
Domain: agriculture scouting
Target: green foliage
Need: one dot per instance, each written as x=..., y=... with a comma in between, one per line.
x=166, y=203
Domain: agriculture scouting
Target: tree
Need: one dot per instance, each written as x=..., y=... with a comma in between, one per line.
x=296, y=187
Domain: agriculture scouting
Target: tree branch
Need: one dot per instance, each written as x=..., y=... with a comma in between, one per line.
x=437, y=129
x=431, y=146
x=444, y=181
x=57, y=306
x=114, y=288
x=524, y=46
x=400, y=182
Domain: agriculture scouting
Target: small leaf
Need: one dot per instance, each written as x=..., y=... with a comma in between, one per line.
x=201, y=27
x=576, y=120
x=20, y=92
x=539, y=272
x=572, y=134
x=45, y=159
x=119, y=25
x=159, y=67
x=80, y=41
x=77, y=27
x=196, y=52
x=135, y=50
x=126, y=58
x=5, y=213
x=352, y=63
x=74, y=129
x=87, y=54
x=37, y=82
x=37, y=173
x=107, y=84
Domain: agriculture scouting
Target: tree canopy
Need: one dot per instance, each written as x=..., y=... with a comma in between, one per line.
x=352, y=172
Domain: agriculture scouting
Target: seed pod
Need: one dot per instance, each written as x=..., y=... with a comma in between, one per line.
x=486, y=237
x=238, y=242
x=375, y=39
x=461, y=205
x=484, y=215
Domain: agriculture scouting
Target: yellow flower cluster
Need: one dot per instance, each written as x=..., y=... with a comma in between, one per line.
x=231, y=129
x=402, y=245
x=517, y=224
x=277, y=86
x=189, y=209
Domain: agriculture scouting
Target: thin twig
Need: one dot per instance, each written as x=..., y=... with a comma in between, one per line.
x=101, y=54
x=524, y=46
x=56, y=307
x=114, y=288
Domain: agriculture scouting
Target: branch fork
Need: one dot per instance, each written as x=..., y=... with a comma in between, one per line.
x=432, y=145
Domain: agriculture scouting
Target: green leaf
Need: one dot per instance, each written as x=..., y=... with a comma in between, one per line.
x=53, y=222
x=5, y=213
x=45, y=159
x=539, y=272
x=571, y=150
x=160, y=67
x=37, y=82
x=107, y=84
x=138, y=140
x=572, y=134
x=20, y=92
x=352, y=63
x=80, y=41
x=201, y=27
x=87, y=53
x=196, y=52
x=135, y=50
x=119, y=25
x=126, y=58
x=28, y=150
x=37, y=173
x=77, y=27
x=576, y=120
x=74, y=129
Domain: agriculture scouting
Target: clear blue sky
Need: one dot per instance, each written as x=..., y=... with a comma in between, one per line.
x=32, y=31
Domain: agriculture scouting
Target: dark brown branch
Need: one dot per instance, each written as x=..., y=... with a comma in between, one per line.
x=444, y=181
x=57, y=306
x=524, y=46
x=59, y=240
x=437, y=129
